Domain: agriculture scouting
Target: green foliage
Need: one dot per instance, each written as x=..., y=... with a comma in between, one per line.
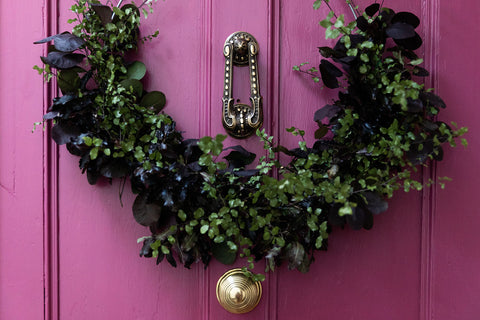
x=201, y=200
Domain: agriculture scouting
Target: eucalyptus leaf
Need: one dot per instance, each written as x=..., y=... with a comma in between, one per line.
x=62, y=60
x=144, y=212
x=134, y=85
x=136, y=70
x=155, y=100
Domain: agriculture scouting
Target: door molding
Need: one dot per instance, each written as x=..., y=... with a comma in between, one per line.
x=50, y=186
x=431, y=22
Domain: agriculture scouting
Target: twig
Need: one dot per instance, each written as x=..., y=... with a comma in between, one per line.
x=118, y=5
x=352, y=7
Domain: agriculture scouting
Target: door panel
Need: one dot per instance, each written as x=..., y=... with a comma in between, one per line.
x=385, y=273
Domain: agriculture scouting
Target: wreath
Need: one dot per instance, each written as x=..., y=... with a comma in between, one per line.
x=199, y=199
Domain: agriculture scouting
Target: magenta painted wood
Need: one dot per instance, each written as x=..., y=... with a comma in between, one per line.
x=21, y=162
x=420, y=261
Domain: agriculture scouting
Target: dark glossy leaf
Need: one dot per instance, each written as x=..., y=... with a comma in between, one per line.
x=171, y=260
x=146, y=250
x=51, y=115
x=372, y=9
x=328, y=111
x=438, y=154
x=133, y=84
x=329, y=73
x=65, y=42
x=406, y=17
x=333, y=218
x=155, y=100
x=420, y=72
x=326, y=52
x=92, y=176
x=362, y=23
x=239, y=157
x=145, y=213
x=246, y=173
x=356, y=219
x=321, y=132
x=414, y=105
x=222, y=253
x=430, y=126
x=114, y=169
x=368, y=220
x=411, y=43
x=64, y=132
x=375, y=203
x=160, y=257
x=400, y=30
x=103, y=12
x=416, y=156
x=136, y=70
x=63, y=60
x=431, y=99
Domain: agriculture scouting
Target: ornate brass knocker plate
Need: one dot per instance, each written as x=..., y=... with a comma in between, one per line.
x=241, y=120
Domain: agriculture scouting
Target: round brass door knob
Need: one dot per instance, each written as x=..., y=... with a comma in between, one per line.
x=237, y=293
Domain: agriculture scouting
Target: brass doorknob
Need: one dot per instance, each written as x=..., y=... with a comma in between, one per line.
x=238, y=293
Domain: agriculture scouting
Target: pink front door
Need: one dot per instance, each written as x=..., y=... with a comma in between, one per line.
x=68, y=250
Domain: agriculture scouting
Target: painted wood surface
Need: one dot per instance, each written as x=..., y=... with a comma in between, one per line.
x=420, y=261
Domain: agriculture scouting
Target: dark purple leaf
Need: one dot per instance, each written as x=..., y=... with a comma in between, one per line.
x=321, y=132
x=145, y=213
x=92, y=176
x=420, y=72
x=362, y=23
x=326, y=52
x=372, y=9
x=400, y=30
x=329, y=73
x=63, y=60
x=65, y=42
x=406, y=17
x=414, y=105
x=51, y=115
x=114, y=169
x=63, y=132
x=171, y=260
x=328, y=111
x=146, y=250
x=239, y=157
x=103, y=12
x=431, y=99
x=356, y=219
x=412, y=43
x=375, y=202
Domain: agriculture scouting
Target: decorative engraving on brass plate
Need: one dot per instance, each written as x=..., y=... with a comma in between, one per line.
x=241, y=120
x=237, y=293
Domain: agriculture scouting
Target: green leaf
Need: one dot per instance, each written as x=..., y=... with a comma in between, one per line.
x=133, y=85
x=204, y=229
x=136, y=70
x=317, y=4
x=154, y=100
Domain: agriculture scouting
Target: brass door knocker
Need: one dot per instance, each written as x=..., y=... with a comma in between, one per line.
x=241, y=120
